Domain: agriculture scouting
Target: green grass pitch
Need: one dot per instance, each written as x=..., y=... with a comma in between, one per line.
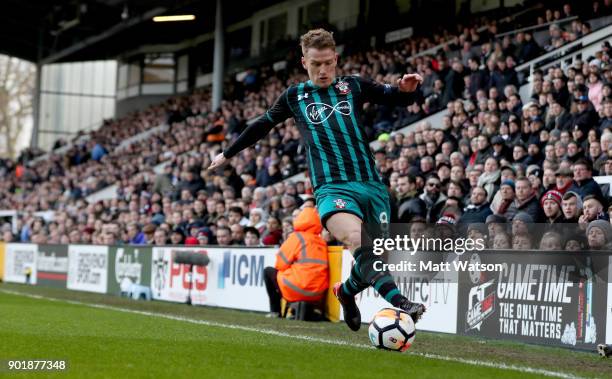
x=111, y=337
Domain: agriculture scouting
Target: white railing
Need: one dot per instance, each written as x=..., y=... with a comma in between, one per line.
x=141, y=136
x=589, y=41
x=594, y=37
x=434, y=50
x=537, y=27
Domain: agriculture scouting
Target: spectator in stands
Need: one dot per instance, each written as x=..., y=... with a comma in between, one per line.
x=599, y=235
x=134, y=235
x=478, y=210
x=551, y=204
x=592, y=210
x=503, y=200
x=235, y=216
x=224, y=236
x=256, y=219
x=525, y=201
x=551, y=241
x=433, y=201
x=490, y=177
x=273, y=232
x=237, y=234
x=503, y=76
x=453, y=82
x=584, y=184
x=522, y=242
x=571, y=205
x=177, y=237
x=406, y=190
x=251, y=237
x=563, y=179
x=501, y=241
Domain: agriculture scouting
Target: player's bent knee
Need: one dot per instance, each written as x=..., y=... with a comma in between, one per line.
x=353, y=239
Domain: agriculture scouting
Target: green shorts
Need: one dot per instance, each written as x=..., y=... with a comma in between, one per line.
x=367, y=200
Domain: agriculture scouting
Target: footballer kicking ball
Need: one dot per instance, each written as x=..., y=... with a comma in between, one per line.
x=392, y=329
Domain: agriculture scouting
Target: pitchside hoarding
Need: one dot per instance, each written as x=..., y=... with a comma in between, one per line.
x=539, y=297
x=128, y=265
x=88, y=268
x=2, y=247
x=609, y=303
x=236, y=274
x=171, y=281
x=19, y=260
x=52, y=266
x=233, y=278
x=437, y=290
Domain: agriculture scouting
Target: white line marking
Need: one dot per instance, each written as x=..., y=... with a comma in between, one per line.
x=271, y=332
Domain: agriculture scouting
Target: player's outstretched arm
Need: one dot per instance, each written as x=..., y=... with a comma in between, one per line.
x=255, y=131
x=404, y=93
x=409, y=82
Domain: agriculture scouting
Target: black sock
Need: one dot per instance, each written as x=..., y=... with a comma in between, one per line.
x=382, y=281
x=355, y=284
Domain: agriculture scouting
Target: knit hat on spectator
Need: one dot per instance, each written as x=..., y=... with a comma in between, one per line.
x=564, y=171
x=605, y=227
x=555, y=133
x=497, y=140
x=464, y=141
x=551, y=195
x=443, y=163
x=158, y=219
x=507, y=182
x=534, y=169
x=581, y=99
x=205, y=232
x=524, y=217
x=496, y=219
x=595, y=62
x=479, y=227
x=191, y=241
x=569, y=194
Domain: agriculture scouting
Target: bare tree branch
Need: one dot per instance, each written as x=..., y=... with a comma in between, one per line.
x=16, y=90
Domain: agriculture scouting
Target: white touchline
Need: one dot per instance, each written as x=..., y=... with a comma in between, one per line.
x=473, y=362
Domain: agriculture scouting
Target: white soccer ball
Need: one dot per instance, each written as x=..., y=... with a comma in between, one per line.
x=392, y=329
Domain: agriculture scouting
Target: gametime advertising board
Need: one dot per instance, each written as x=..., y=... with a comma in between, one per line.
x=545, y=297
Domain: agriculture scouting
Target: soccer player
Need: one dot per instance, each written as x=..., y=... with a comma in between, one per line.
x=348, y=189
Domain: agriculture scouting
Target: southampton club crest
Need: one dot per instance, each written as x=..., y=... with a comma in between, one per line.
x=343, y=87
x=340, y=204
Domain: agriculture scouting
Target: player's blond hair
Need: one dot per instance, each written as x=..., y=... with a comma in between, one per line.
x=319, y=39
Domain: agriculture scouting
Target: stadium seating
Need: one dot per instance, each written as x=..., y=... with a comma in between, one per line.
x=507, y=96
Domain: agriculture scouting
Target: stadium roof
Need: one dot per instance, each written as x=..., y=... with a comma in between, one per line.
x=77, y=30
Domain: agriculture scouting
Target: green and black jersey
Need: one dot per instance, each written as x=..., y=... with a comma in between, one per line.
x=336, y=142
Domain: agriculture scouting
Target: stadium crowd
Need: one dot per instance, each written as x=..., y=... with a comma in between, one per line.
x=495, y=165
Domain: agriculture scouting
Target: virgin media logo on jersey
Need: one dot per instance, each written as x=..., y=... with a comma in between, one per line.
x=318, y=113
